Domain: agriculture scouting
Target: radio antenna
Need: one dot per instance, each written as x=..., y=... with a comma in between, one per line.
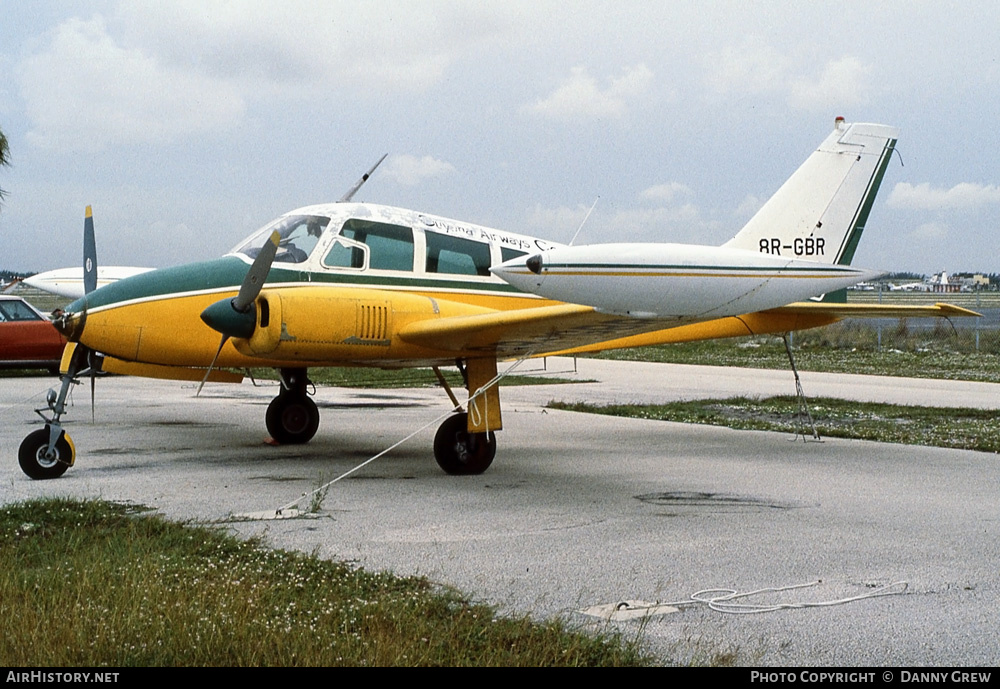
x=364, y=178
x=584, y=221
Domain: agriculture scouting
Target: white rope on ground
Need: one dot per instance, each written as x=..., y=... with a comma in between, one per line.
x=722, y=600
x=494, y=381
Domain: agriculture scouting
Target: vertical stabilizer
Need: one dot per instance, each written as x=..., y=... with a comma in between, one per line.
x=821, y=211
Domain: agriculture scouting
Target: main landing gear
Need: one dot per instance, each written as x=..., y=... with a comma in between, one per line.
x=462, y=448
x=460, y=452
x=292, y=418
x=49, y=452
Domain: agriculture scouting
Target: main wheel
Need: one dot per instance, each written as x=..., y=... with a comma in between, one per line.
x=33, y=460
x=292, y=419
x=459, y=452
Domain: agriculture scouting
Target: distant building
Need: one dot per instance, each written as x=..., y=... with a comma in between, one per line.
x=941, y=283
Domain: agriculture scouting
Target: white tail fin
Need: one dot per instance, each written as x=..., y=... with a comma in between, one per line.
x=821, y=211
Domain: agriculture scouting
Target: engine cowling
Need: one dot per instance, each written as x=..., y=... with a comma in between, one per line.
x=324, y=324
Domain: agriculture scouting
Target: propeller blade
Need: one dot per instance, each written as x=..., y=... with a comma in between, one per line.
x=89, y=253
x=212, y=365
x=254, y=281
x=234, y=317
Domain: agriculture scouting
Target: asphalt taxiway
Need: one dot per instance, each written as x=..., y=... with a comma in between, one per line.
x=580, y=511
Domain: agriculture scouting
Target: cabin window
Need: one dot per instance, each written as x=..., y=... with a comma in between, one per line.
x=345, y=254
x=507, y=254
x=299, y=235
x=456, y=255
x=390, y=247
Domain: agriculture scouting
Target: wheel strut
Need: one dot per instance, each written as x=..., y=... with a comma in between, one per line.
x=48, y=453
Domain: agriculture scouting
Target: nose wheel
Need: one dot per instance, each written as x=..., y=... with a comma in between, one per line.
x=459, y=452
x=49, y=452
x=40, y=461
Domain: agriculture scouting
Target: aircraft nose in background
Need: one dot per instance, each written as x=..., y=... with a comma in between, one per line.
x=522, y=272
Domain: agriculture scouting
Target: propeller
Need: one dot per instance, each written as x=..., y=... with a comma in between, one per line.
x=236, y=317
x=89, y=253
x=89, y=285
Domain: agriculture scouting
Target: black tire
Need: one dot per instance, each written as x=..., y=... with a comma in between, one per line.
x=292, y=419
x=31, y=455
x=461, y=453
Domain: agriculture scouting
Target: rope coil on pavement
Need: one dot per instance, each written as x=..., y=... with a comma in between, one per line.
x=723, y=599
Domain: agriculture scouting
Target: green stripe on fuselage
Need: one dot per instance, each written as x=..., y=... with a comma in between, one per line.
x=639, y=269
x=228, y=272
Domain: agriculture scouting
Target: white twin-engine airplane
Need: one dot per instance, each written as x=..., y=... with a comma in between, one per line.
x=68, y=282
x=355, y=284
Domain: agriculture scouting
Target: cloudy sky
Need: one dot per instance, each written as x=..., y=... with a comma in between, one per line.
x=189, y=124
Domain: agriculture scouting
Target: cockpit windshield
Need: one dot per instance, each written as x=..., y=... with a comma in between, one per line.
x=299, y=235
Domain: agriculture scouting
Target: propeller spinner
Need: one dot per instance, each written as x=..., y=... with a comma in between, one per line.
x=236, y=317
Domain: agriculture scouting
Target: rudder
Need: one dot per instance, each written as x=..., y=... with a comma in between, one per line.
x=820, y=212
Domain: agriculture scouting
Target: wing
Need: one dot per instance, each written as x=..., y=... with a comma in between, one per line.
x=939, y=309
x=574, y=329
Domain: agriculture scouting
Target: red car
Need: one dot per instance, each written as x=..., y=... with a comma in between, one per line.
x=27, y=338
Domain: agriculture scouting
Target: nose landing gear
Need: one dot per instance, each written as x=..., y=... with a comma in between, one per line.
x=49, y=452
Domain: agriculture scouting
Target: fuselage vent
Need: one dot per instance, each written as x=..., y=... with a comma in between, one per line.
x=373, y=321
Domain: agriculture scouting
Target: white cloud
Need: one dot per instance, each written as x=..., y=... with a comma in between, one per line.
x=748, y=206
x=751, y=67
x=842, y=83
x=965, y=195
x=410, y=170
x=666, y=192
x=372, y=45
x=153, y=72
x=558, y=224
x=85, y=90
x=930, y=230
x=680, y=223
x=754, y=68
x=581, y=96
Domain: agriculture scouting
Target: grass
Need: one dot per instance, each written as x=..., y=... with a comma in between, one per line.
x=840, y=348
x=967, y=429
x=100, y=584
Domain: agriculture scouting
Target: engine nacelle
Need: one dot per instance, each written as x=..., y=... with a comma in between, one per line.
x=322, y=324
